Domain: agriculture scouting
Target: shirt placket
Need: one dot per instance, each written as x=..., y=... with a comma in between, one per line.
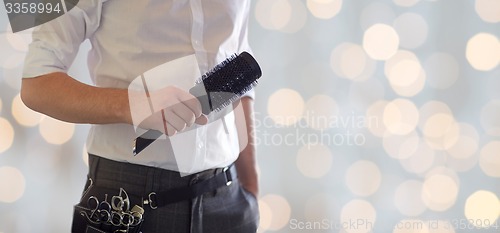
x=201, y=55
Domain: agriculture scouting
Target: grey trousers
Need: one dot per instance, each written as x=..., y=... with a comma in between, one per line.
x=227, y=209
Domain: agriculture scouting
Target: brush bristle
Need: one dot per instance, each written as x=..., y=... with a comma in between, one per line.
x=228, y=81
x=216, y=68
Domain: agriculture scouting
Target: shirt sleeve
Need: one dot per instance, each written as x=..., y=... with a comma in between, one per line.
x=55, y=43
x=250, y=94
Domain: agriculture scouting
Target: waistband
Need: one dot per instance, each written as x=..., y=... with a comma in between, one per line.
x=114, y=174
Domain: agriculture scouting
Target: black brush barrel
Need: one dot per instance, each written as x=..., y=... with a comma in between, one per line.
x=252, y=63
x=228, y=82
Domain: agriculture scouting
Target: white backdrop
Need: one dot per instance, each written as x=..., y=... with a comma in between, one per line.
x=373, y=116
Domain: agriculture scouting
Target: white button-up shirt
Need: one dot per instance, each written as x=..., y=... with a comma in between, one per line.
x=131, y=37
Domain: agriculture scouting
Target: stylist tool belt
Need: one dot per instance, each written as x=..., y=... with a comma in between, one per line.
x=108, y=207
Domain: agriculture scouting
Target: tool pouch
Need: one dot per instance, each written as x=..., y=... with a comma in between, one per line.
x=82, y=223
x=104, y=210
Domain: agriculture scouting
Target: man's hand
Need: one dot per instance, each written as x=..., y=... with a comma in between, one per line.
x=173, y=110
x=246, y=163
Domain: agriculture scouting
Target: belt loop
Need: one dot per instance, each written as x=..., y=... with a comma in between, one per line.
x=93, y=164
x=229, y=175
x=150, y=177
x=156, y=185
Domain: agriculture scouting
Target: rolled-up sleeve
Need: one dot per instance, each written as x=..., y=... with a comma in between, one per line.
x=250, y=94
x=55, y=44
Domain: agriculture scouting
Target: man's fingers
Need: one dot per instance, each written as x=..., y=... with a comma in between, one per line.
x=179, y=109
x=170, y=130
x=191, y=102
x=174, y=120
x=185, y=114
x=201, y=120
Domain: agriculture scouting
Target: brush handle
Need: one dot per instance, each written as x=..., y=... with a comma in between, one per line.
x=203, y=97
x=145, y=140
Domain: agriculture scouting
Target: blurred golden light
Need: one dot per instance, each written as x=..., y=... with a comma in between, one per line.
x=401, y=146
x=24, y=115
x=442, y=70
x=400, y=116
x=412, y=29
x=348, y=60
x=405, y=73
x=401, y=55
x=467, y=143
x=380, y=41
x=12, y=184
x=483, y=207
x=441, y=131
x=283, y=15
x=405, y=3
x=421, y=160
x=324, y=9
x=445, y=171
x=407, y=198
x=488, y=10
x=298, y=17
x=439, y=192
x=353, y=61
x=285, y=106
x=6, y=135
x=266, y=216
x=376, y=110
x=489, y=159
x=314, y=161
x=280, y=211
x=321, y=112
x=413, y=89
x=431, y=108
x=410, y=226
x=376, y=12
x=483, y=51
x=359, y=210
x=55, y=131
x=363, y=178
x=490, y=117
x=273, y=15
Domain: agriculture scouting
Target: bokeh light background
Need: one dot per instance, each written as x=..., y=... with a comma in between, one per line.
x=383, y=113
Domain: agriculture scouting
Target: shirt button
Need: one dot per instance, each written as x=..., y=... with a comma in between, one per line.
x=200, y=145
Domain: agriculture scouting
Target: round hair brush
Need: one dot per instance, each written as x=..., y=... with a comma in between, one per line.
x=216, y=89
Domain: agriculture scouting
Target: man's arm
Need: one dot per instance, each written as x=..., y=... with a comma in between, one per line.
x=246, y=164
x=60, y=96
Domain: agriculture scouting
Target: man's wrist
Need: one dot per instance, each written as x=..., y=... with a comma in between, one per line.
x=123, y=108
